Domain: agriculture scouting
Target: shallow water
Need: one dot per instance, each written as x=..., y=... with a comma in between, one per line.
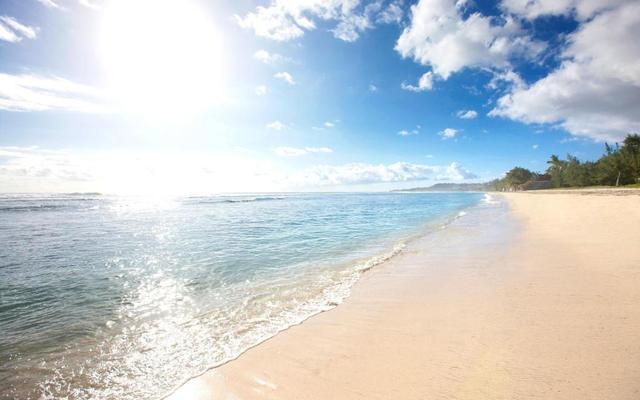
x=124, y=298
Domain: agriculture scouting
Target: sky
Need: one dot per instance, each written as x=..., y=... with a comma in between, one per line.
x=199, y=97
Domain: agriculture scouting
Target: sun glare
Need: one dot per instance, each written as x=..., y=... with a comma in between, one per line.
x=161, y=57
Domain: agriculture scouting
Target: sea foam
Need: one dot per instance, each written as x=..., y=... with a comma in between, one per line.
x=154, y=291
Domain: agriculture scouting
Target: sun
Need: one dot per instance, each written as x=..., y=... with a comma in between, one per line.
x=161, y=57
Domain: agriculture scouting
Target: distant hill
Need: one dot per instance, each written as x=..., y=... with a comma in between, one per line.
x=450, y=187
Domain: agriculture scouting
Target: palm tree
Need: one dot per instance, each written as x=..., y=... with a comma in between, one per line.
x=555, y=169
x=630, y=153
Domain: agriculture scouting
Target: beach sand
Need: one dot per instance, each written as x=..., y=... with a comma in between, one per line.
x=553, y=312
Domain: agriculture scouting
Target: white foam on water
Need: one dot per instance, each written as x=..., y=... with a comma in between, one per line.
x=165, y=330
x=488, y=199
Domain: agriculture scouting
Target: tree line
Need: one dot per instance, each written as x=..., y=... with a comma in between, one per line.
x=620, y=165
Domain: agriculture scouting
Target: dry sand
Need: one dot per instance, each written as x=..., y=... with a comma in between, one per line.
x=554, y=313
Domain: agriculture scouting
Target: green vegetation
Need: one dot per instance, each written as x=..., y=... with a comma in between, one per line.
x=620, y=165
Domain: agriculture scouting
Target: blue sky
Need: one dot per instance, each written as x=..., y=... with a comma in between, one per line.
x=208, y=96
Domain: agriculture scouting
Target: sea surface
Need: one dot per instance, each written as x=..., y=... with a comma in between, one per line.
x=106, y=297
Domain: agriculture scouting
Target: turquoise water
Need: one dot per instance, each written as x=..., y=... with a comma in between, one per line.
x=108, y=297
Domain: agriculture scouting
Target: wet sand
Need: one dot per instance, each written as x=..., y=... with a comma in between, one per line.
x=540, y=302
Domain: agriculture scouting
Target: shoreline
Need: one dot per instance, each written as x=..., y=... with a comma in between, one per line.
x=363, y=267
x=415, y=244
x=554, y=313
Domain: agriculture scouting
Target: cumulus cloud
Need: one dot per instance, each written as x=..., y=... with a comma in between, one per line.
x=508, y=78
x=29, y=169
x=350, y=27
x=441, y=37
x=329, y=124
x=467, y=114
x=275, y=23
x=363, y=173
x=13, y=31
x=595, y=91
x=296, y=151
x=270, y=58
x=261, y=90
x=38, y=93
x=285, y=76
x=392, y=14
x=448, y=133
x=284, y=20
x=276, y=125
x=34, y=169
x=582, y=9
x=34, y=162
x=424, y=83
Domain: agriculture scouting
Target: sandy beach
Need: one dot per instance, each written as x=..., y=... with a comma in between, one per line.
x=542, y=303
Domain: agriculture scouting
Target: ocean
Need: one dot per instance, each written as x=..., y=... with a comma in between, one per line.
x=109, y=297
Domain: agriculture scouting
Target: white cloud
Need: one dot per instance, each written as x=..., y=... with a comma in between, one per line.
x=276, y=125
x=33, y=169
x=270, y=58
x=424, y=83
x=38, y=93
x=456, y=173
x=405, y=132
x=582, y=9
x=439, y=36
x=285, y=76
x=448, y=133
x=325, y=125
x=467, y=114
x=49, y=3
x=362, y=173
x=535, y=147
x=351, y=26
x=595, y=91
x=13, y=31
x=21, y=167
x=274, y=23
x=508, y=77
x=90, y=4
x=373, y=88
x=56, y=4
x=392, y=14
x=261, y=90
x=295, y=151
x=284, y=20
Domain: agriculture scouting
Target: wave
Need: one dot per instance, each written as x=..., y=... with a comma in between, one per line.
x=488, y=199
x=219, y=200
x=83, y=194
x=252, y=199
x=331, y=297
x=255, y=312
x=36, y=207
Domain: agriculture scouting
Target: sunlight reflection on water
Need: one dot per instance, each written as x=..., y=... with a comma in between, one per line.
x=123, y=298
